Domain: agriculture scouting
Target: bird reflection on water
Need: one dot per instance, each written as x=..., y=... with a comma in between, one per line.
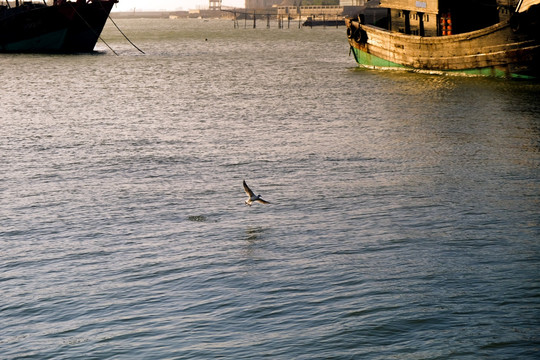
x=254, y=233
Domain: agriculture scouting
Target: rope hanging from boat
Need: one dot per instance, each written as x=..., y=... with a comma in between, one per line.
x=90, y=27
x=114, y=52
x=121, y=32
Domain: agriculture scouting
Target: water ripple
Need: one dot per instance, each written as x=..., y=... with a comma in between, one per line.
x=403, y=221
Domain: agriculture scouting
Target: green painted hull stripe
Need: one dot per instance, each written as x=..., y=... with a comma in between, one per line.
x=48, y=42
x=374, y=62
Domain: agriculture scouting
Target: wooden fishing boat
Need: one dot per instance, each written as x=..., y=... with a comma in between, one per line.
x=451, y=37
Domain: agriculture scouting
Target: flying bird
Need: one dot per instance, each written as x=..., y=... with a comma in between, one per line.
x=252, y=197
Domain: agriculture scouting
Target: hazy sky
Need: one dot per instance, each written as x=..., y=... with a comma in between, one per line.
x=128, y=5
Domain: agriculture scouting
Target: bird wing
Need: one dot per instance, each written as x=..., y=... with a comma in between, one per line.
x=262, y=201
x=248, y=190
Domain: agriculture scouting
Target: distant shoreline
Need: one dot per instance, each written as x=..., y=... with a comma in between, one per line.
x=194, y=14
x=148, y=14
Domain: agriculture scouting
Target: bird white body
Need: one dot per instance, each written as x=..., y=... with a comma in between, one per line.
x=252, y=197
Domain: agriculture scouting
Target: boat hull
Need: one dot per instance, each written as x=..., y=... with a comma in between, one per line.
x=495, y=51
x=66, y=28
x=87, y=26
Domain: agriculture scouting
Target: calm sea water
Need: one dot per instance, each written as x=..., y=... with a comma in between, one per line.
x=404, y=221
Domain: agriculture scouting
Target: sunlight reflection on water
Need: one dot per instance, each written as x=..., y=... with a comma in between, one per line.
x=404, y=216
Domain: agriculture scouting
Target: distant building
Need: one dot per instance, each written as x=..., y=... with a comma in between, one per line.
x=352, y=2
x=330, y=9
x=214, y=5
x=266, y=4
x=261, y=4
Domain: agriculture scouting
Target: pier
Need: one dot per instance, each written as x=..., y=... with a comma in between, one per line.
x=284, y=17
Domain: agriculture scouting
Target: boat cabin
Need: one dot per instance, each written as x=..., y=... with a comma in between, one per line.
x=444, y=17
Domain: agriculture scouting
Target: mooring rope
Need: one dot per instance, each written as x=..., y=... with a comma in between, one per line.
x=114, y=52
x=121, y=32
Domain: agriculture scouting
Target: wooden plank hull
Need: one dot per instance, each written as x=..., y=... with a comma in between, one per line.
x=497, y=51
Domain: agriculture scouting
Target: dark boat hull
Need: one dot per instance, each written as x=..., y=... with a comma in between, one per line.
x=66, y=28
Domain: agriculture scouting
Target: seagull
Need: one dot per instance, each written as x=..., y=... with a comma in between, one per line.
x=252, y=197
